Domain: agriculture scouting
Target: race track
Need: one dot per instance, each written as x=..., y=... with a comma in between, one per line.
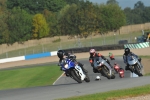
x=67, y=87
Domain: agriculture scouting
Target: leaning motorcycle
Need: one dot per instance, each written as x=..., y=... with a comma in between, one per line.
x=104, y=68
x=116, y=67
x=135, y=65
x=121, y=72
x=76, y=72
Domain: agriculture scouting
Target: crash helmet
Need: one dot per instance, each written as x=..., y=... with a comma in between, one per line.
x=98, y=78
x=127, y=50
x=60, y=54
x=92, y=52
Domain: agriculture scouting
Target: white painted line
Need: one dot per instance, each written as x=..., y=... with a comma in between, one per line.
x=59, y=78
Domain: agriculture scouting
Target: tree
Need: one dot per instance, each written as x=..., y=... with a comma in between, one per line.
x=37, y=6
x=129, y=15
x=72, y=2
x=19, y=25
x=40, y=26
x=139, y=5
x=3, y=25
x=111, y=18
x=68, y=20
x=112, y=2
x=51, y=19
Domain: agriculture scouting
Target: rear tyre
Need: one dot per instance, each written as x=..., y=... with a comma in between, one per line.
x=75, y=76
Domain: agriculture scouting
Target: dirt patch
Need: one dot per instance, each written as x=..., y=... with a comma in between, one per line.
x=145, y=63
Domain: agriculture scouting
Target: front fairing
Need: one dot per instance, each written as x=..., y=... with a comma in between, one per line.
x=99, y=62
x=69, y=64
x=131, y=59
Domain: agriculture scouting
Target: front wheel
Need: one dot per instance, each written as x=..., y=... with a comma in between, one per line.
x=105, y=71
x=75, y=76
x=87, y=79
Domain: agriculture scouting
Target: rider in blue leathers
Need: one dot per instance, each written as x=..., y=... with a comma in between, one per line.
x=126, y=53
x=65, y=58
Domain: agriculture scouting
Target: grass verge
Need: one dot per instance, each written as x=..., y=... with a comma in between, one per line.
x=29, y=77
x=113, y=95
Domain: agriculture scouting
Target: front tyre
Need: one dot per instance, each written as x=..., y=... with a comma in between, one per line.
x=75, y=76
x=87, y=79
x=105, y=72
x=113, y=76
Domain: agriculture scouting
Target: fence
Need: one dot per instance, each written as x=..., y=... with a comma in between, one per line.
x=48, y=44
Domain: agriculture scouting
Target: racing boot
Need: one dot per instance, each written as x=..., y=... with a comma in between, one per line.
x=127, y=68
x=66, y=74
x=95, y=70
x=81, y=65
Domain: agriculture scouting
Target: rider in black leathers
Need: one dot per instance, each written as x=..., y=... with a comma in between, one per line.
x=126, y=53
x=62, y=55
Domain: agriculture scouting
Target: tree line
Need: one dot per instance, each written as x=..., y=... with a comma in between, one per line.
x=22, y=20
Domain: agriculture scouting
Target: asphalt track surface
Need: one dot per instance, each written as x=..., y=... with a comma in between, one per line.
x=66, y=87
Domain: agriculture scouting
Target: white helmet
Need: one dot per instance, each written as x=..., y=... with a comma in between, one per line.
x=92, y=51
x=98, y=78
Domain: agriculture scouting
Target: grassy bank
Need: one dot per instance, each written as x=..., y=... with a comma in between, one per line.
x=29, y=77
x=113, y=95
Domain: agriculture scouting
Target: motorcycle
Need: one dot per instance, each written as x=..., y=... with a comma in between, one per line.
x=75, y=72
x=112, y=57
x=121, y=72
x=104, y=68
x=135, y=65
x=116, y=68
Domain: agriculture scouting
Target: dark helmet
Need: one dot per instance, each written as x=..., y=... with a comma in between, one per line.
x=127, y=50
x=60, y=53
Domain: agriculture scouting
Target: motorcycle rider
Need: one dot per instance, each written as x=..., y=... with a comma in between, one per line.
x=126, y=53
x=64, y=56
x=91, y=59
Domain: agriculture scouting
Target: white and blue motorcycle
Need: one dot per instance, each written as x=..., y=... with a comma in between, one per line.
x=75, y=71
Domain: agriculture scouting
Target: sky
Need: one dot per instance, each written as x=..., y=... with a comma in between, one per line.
x=124, y=3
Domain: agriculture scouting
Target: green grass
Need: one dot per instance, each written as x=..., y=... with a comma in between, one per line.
x=29, y=77
x=113, y=95
x=145, y=57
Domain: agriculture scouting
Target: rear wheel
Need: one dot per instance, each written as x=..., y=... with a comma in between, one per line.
x=75, y=76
